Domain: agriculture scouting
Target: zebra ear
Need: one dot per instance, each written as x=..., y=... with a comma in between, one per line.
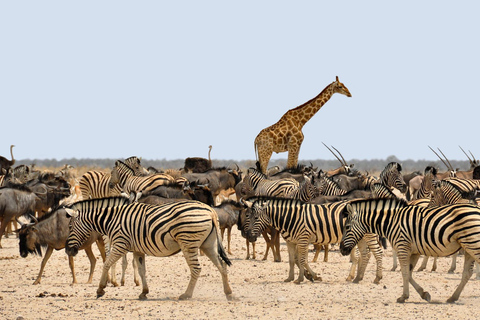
x=71, y=213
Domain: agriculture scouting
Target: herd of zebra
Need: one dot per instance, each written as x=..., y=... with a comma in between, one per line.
x=160, y=213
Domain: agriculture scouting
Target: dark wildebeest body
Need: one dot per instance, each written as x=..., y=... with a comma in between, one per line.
x=51, y=231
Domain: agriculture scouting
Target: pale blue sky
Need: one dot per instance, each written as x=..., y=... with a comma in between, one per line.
x=165, y=79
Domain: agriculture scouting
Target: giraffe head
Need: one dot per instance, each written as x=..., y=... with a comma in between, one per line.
x=340, y=88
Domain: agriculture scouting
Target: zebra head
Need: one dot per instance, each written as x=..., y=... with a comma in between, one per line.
x=79, y=232
x=353, y=229
x=256, y=219
x=392, y=177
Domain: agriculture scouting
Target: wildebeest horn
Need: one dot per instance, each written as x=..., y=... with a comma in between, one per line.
x=33, y=218
x=19, y=222
x=342, y=163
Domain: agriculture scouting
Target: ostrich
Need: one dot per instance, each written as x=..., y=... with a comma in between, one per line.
x=198, y=164
x=5, y=163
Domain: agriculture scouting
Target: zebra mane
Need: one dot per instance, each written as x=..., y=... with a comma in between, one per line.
x=268, y=198
x=121, y=164
x=464, y=194
x=101, y=202
x=256, y=171
x=397, y=202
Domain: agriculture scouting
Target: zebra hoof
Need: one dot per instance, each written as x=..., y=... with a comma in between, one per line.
x=426, y=296
x=142, y=296
x=184, y=297
x=100, y=293
x=402, y=299
x=451, y=300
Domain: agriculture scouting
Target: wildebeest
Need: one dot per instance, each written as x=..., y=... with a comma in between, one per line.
x=51, y=231
x=15, y=201
x=217, y=179
x=228, y=212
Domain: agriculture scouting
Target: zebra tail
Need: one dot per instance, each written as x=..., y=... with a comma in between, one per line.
x=223, y=254
x=383, y=240
x=220, y=249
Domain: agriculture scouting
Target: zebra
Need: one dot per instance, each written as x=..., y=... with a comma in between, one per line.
x=392, y=176
x=300, y=224
x=446, y=192
x=256, y=183
x=306, y=191
x=143, y=229
x=426, y=187
x=327, y=186
x=95, y=184
x=415, y=231
x=124, y=176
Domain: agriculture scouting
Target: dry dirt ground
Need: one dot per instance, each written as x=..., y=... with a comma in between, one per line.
x=257, y=285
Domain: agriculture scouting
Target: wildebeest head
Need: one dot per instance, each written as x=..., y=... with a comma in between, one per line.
x=27, y=235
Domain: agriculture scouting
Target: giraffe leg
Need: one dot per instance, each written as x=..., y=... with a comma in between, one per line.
x=294, y=150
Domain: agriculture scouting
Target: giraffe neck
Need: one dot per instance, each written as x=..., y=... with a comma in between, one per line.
x=301, y=114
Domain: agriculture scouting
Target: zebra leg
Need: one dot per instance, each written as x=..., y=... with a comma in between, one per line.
x=467, y=273
x=394, y=258
x=423, y=266
x=477, y=270
x=423, y=294
x=211, y=247
x=268, y=244
x=136, y=274
x=354, y=257
x=364, y=257
x=112, y=258
x=142, y=270
x=124, y=268
x=276, y=246
x=42, y=265
x=191, y=256
x=71, y=263
x=303, y=266
x=434, y=265
x=93, y=262
x=453, y=266
x=291, y=261
x=325, y=256
x=317, y=247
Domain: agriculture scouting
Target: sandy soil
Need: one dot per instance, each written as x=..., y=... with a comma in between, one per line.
x=257, y=285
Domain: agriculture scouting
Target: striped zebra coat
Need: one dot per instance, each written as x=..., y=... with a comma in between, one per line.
x=415, y=231
x=301, y=224
x=258, y=184
x=124, y=176
x=96, y=184
x=143, y=229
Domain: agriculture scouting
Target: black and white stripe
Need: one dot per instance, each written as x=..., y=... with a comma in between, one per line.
x=415, y=231
x=159, y=231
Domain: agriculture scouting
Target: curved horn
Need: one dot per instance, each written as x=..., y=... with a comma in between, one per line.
x=465, y=153
x=33, y=218
x=474, y=160
x=451, y=167
x=439, y=158
x=334, y=154
x=344, y=162
x=20, y=222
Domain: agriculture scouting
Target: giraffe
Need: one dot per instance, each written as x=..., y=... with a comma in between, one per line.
x=286, y=134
